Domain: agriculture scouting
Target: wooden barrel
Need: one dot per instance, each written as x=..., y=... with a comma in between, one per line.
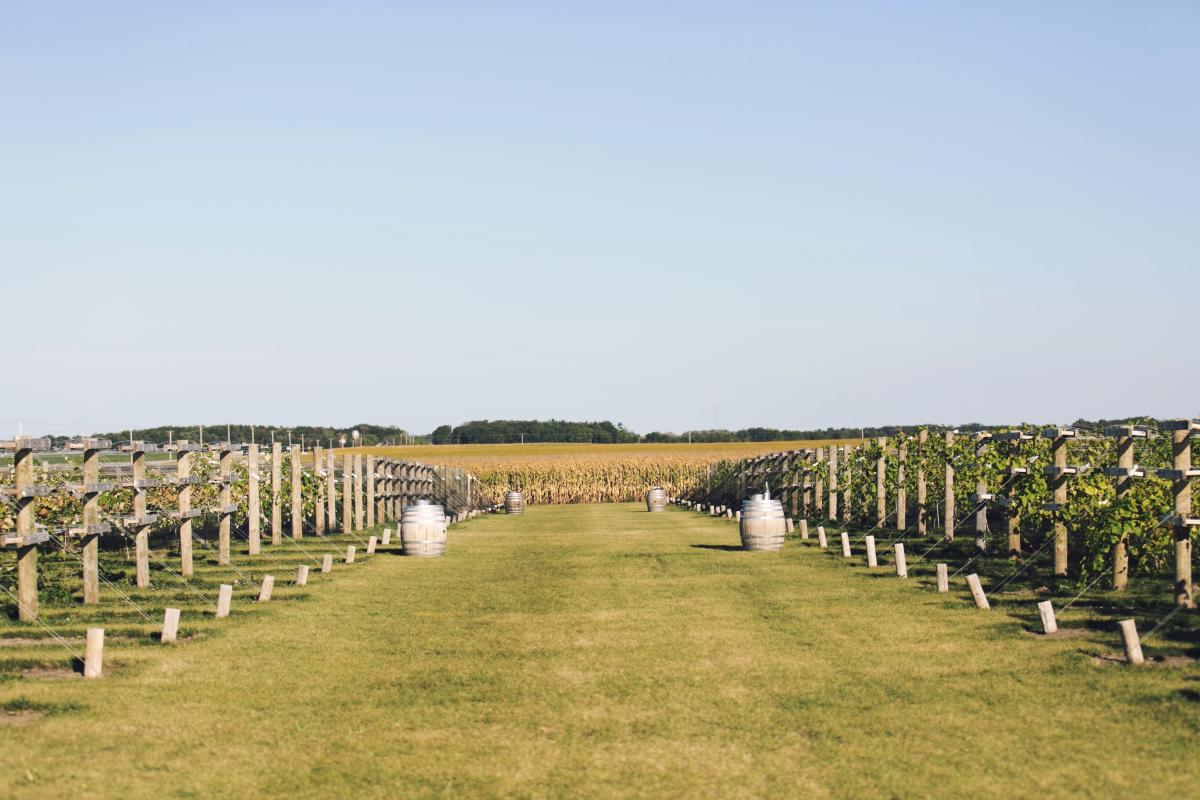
x=656, y=499
x=762, y=525
x=423, y=529
x=514, y=503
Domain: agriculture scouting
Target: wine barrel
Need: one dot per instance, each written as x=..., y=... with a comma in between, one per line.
x=514, y=503
x=423, y=529
x=762, y=524
x=656, y=499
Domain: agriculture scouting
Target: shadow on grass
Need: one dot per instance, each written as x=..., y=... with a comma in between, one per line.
x=726, y=547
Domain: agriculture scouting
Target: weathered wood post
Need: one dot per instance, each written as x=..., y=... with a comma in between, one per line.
x=943, y=578
x=819, y=485
x=1124, y=476
x=847, y=483
x=901, y=489
x=93, y=653
x=141, y=520
x=253, y=511
x=833, y=481
x=318, y=504
x=872, y=560
x=331, y=490
x=265, y=589
x=370, y=465
x=981, y=495
x=949, y=499
x=1181, y=476
x=27, y=538
x=184, y=482
x=297, y=496
x=880, y=484
x=327, y=563
x=1058, y=483
x=1133, y=646
x=358, y=492
x=901, y=561
x=224, y=599
x=170, y=626
x=302, y=575
x=1046, y=613
x=92, y=528
x=276, y=499
x=845, y=544
x=977, y=594
x=922, y=487
x=347, y=493
x=350, y=554
x=225, y=521
x=821, y=542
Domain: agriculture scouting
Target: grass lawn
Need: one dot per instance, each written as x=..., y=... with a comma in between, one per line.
x=593, y=651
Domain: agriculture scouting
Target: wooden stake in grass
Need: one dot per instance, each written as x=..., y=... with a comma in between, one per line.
x=264, y=591
x=943, y=578
x=387, y=537
x=845, y=544
x=788, y=524
x=872, y=561
x=977, y=594
x=224, y=600
x=350, y=554
x=170, y=628
x=803, y=529
x=901, y=563
x=93, y=653
x=302, y=575
x=327, y=563
x=1133, y=645
x=1046, y=612
x=821, y=536
x=370, y=545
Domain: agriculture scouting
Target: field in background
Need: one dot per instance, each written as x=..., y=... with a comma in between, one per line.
x=587, y=473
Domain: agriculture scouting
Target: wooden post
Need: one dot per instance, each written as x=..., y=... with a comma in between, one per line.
x=981, y=503
x=833, y=482
x=845, y=544
x=331, y=491
x=183, y=474
x=901, y=563
x=349, y=554
x=297, y=496
x=977, y=594
x=318, y=504
x=302, y=575
x=387, y=537
x=901, y=490
x=327, y=563
x=253, y=510
x=370, y=491
x=943, y=578
x=276, y=500
x=922, y=487
x=787, y=524
x=225, y=521
x=371, y=545
x=359, y=517
x=26, y=528
x=1181, y=488
x=1120, y=577
x=821, y=536
x=170, y=627
x=872, y=561
x=1133, y=646
x=91, y=522
x=803, y=529
x=141, y=536
x=264, y=591
x=1046, y=612
x=880, y=484
x=819, y=485
x=93, y=653
x=224, y=599
x=847, y=483
x=1059, y=484
x=949, y=509
x=347, y=493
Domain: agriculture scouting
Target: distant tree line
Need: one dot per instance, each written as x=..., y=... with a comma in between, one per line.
x=503, y=431
x=306, y=434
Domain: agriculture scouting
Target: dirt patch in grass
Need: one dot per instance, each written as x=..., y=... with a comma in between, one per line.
x=15, y=719
x=1151, y=661
x=50, y=673
x=1061, y=633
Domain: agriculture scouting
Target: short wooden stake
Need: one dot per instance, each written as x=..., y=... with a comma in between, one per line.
x=93, y=653
x=845, y=544
x=327, y=563
x=803, y=529
x=170, y=628
x=1133, y=645
x=224, y=600
x=791, y=528
x=302, y=575
x=977, y=594
x=872, y=561
x=1046, y=612
x=901, y=562
x=943, y=578
x=821, y=536
x=370, y=545
x=264, y=592
x=387, y=537
x=350, y=554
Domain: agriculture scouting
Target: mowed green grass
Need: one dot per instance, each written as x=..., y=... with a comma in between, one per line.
x=596, y=651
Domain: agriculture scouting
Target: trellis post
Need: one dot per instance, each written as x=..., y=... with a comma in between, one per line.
x=183, y=482
x=833, y=481
x=318, y=503
x=949, y=499
x=880, y=487
x=276, y=500
x=347, y=492
x=225, y=522
x=297, y=496
x=358, y=492
x=253, y=534
x=141, y=520
x=92, y=528
x=922, y=487
x=901, y=490
x=331, y=490
x=370, y=467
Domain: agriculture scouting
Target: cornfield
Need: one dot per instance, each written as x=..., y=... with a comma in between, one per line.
x=583, y=473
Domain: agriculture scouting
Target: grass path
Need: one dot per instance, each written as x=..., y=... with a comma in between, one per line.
x=593, y=651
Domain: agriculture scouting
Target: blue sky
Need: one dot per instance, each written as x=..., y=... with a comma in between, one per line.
x=672, y=215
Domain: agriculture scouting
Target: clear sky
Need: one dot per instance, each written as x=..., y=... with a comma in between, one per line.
x=672, y=215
